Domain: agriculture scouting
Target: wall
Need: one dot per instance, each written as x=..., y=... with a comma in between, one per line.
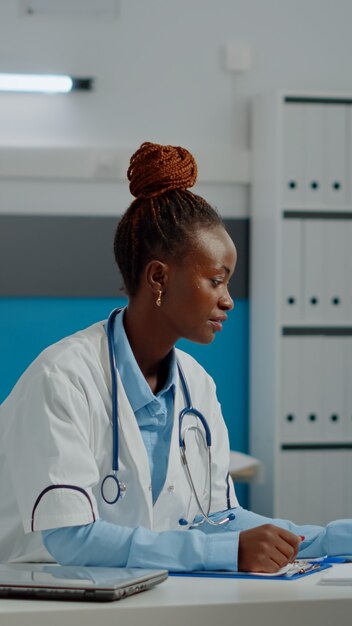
x=159, y=75
x=51, y=287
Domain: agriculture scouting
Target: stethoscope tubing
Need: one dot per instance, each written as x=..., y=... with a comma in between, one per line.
x=114, y=390
x=118, y=487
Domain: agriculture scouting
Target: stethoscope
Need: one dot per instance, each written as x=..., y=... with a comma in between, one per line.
x=113, y=489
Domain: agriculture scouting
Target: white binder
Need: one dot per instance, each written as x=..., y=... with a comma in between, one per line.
x=334, y=270
x=313, y=279
x=293, y=166
x=314, y=154
x=310, y=388
x=315, y=485
x=334, y=425
x=335, y=151
x=289, y=496
x=348, y=366
x=302, y=486
x=348, y=270
x=291, y=270
x=291, y=417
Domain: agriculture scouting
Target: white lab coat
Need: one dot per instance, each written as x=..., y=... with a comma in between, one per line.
x=56, y=448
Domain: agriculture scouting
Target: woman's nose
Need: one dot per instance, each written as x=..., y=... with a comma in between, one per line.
x=226, y=302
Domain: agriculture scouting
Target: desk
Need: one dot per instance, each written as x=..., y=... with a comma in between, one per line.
x=198, y=602
x=244, y=468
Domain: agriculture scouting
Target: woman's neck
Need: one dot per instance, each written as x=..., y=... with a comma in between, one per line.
x=149, y=342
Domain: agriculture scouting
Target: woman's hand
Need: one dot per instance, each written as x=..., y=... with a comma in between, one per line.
x=266, y=548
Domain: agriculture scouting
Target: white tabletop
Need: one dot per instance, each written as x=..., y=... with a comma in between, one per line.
x=198, y=602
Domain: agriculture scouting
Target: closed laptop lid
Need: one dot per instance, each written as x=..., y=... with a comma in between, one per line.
x=71, y=582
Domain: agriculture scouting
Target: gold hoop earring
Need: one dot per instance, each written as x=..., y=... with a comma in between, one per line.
x=158, y=300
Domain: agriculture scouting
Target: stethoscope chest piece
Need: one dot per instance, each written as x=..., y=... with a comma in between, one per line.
x=112, y=489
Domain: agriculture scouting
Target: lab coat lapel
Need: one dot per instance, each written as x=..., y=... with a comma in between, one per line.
x=132, y=452
x=173, y=501
x=131, y=438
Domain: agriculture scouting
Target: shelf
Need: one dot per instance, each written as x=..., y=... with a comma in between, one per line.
x=341, y=445
x=317, y=213
x=333, y=330
x=243, y=467
x=301, y=305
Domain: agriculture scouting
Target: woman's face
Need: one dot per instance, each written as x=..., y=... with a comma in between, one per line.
x=196, y=299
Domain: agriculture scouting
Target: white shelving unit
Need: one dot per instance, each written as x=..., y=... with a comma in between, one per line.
x=301, y=306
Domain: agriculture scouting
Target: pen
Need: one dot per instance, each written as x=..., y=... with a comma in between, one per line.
x=309, y=568
x=302, y=568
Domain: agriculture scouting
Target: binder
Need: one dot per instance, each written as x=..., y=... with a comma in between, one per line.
x=335, y=151
x=334, y=423
x=334, y=304
x=291, y=417
x=313, y=154
x=347, y=480
x=336, y=471
x=291, y=270
x=319, y=490
x=348, y=370
x=348, y=270
x=310, y=381
x=314, y=252
x=326, y=270
x=291, y=486
x=313, y=504
x=293, y=148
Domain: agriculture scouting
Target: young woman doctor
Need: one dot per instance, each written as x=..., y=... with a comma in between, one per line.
x=59, y=493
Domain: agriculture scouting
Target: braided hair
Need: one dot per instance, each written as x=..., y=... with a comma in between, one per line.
x=163, y=218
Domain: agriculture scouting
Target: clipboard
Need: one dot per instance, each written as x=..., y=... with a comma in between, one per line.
x=305, y=570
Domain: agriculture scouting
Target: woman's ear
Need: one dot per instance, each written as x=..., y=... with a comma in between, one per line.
x=156, y=273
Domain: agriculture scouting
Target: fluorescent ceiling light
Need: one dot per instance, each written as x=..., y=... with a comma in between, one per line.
x=68, y=9
x=42, y=83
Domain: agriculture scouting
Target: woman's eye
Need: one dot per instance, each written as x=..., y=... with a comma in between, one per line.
x=216, y=282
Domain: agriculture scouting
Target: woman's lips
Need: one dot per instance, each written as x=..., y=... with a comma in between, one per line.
x=217, y=324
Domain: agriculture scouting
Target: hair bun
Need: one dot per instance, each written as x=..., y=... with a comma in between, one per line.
x=155, y=169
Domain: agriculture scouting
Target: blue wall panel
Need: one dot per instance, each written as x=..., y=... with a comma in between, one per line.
x=28, y=325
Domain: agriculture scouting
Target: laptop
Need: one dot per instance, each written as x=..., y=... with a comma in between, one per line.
x=58, y=582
